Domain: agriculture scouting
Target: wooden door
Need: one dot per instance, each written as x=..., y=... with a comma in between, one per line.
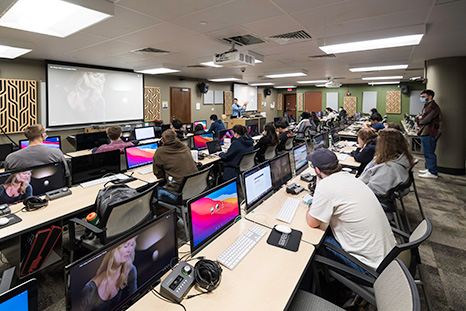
x=180, y=104
x=313, y=101
x=290, y=104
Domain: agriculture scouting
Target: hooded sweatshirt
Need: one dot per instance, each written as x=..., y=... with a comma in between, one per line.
x=383, y=177
x=238, y=147
x=173, y=159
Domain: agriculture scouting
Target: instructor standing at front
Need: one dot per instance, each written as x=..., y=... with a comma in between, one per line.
x=237, y=109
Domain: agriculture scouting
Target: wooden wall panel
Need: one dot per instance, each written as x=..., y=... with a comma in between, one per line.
x=350, y=104
x=280, y=102
x=18, y=104
x=152, y=104
x=300, y=102
x=259, y=102
x=228, y=102
x=393, y=103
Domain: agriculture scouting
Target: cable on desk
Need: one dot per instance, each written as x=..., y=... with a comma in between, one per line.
x=157, y=294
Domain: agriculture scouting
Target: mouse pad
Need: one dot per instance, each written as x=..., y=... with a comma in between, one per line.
x=293, y=240
x=13, y=220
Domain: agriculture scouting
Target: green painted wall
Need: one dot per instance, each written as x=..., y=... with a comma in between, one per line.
x=357, y=91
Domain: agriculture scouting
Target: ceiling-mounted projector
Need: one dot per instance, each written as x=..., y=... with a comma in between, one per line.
x=332, y=84
x=234, y=58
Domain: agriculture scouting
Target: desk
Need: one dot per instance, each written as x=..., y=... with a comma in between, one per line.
x=266, y=213
x=413, y=139
x=79, y=153
x=265, y=279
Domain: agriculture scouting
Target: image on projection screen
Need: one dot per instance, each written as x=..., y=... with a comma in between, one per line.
x=79, y=95
x=246, y=93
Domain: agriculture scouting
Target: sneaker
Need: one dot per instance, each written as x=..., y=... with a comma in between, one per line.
x=428, y=175
x=423, y=171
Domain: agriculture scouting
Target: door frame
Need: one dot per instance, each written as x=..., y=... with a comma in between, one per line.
x=295, y=104
x=171, y=102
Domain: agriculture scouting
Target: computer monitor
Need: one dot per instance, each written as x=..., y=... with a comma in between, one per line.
x=52, y=142
x=257, y=184
x=20, y=298
x=91, y=140
x=318, y=141
x=140, y=155
x=299, y=156
x=94, y=166
x=319, y=114
x=253, y=130
x=214, y=146
x=146, y=255
x=222, y=134
x=200, y=141
x=36, y=180
x=211, y=213
x=188, y=128
x=165, y=127
x=203, y=122
x=335, y=136
x=142, y=133
x=281, y=170
x=5, y=149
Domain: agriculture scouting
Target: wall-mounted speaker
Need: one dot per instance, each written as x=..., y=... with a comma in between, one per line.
x=267, y=92
x=203, y=87
x=404, y=89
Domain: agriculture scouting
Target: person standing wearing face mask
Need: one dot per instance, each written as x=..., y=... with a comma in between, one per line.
x=429, y=121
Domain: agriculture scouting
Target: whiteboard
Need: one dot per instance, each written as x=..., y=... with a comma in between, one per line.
x=209, y=98
x=369, y=101
x=218, y=98
x=415, y=105
x=332, y=100
x=246, y=93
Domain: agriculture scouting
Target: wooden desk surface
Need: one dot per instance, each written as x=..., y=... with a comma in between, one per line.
x=79, y=153
x=266, y=213
x=264, y=280
x=78, y=201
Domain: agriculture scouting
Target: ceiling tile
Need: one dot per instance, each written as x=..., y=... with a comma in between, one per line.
x=273, y=26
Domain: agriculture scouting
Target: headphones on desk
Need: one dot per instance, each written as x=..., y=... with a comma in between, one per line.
x=208, y=275
x=33, y=203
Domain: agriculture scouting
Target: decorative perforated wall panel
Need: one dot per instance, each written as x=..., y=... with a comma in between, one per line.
x=349, y=104
x=393, y=102
x=152, y=104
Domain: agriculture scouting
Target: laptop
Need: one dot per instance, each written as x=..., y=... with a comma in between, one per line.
x=214, y=146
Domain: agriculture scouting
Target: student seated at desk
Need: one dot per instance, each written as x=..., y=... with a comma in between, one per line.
x=306, y=122
x=358, y=224
x=315, y=118
x=331, y=115
x=114, y=133
x=172, y=162
x=365, y=152
x=177, y=124
x=283, y=134
x=216, y=125
x=269, y=138
x=240, y=145
x=342, y=114
x=199, y=130
x=375, y=122
x=391, y=164
x=36, y=153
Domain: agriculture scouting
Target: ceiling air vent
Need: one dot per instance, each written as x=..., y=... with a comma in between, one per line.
x=290, y=37
x=150, y=51
x=243, y=40
x=323, y=56
x=196, y=66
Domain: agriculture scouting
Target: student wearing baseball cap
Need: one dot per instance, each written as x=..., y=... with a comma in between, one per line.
x=357, y=221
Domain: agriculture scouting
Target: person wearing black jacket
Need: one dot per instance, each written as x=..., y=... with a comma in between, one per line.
x=216, y=125
x=240, y=145
x=269, y=138
x=367, y=139
x=284, y=133
x=177, y=124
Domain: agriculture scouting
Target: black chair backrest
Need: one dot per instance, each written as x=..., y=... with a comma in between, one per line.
x=195, y=183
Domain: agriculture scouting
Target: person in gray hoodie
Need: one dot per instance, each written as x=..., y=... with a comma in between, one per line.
x=391, y=164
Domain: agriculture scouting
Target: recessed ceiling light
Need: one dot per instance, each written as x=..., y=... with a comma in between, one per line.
x=203, y=23
x=156, y=71
x=285, y=87
x=57, y=18
x=383, y=78
x=378, y=68
x=385, y=82
x=12, y=52
x=211, y=64
x=224, y=79
x=297, y=73
x=312, y=81
x=372, y=44
x=261, y=84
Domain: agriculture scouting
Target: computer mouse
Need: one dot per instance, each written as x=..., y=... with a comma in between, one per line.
x=283, y=229
x=4, y=221
x=347, y=169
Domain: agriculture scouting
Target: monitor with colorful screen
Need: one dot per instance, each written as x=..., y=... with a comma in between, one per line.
x=52, y=142
x=222, y=134
x=140, y=155
x=200, y=141
x=253, y=130
x=20, y=298
x=299, y=156
x=203, y=122
x=211, y=213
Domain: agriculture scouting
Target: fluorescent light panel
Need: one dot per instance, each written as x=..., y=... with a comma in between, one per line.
x=211, y=64
x=383, y=78
x=385, y=82
x=261, y=84
x=320, y=85
x=372, y=44
x=257, y=61
x=312, y=81
x=285, y=87
x=378, y=68
x=51, y=17
x=157, y=71
x=224, y=79
x=286, y=75
x=12, y=52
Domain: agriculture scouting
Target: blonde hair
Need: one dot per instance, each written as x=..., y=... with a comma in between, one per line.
x=13, y=180
x=390, y=145
x=110, y=259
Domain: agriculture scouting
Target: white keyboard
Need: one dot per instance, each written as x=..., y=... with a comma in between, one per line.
x=257, y=137
x=241, y=247
x=288, y=210
x=103, y=180
x=342, y=156
x=145, y=171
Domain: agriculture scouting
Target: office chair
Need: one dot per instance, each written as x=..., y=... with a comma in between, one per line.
x=393, y=290
x=270, y=152
x=360, y=283
x=247, y=161
x=307, y=136
x=190, y=186
x=289, y=143
x=118, y=219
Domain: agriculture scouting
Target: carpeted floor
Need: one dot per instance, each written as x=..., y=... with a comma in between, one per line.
x=443, y=255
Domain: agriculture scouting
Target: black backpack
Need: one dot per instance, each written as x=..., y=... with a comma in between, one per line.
x=112, y=194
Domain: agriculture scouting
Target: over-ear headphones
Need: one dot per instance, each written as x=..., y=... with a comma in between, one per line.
x=207, y=274
x=33, y=203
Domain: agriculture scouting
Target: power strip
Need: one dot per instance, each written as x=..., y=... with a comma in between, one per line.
x=55, y=194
